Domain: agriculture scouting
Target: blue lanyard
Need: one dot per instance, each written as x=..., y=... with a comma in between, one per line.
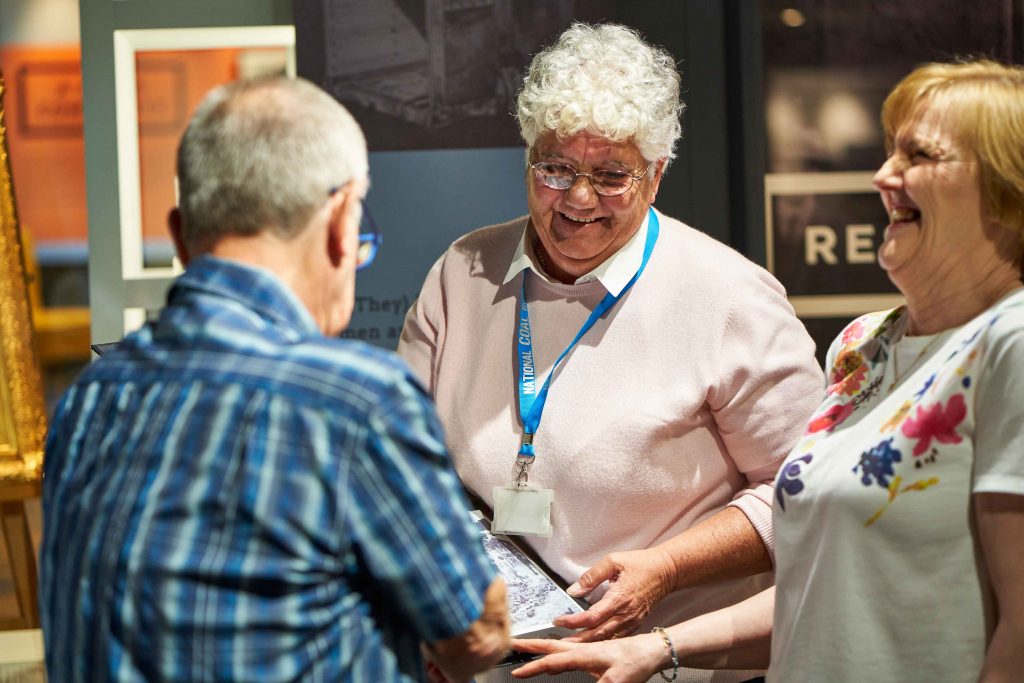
x=532, y=400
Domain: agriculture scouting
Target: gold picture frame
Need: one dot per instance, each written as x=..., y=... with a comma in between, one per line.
x=22, y=413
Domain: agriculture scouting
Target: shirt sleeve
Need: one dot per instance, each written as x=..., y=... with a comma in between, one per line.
x=999, y=407
x=411, y=520
x=768, y=384
x=423, y=332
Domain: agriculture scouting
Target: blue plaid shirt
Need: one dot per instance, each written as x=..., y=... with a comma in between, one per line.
x=231, y=496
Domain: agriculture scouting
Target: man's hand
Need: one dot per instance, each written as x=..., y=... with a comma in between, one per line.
x=638, y=580
x=481, y=647
x=632, y=660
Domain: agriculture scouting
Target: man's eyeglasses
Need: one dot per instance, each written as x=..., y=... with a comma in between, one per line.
x=606, y=183
x=370, y=237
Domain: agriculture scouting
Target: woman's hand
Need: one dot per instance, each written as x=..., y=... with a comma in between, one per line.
x=629, y=660
x=638, y=580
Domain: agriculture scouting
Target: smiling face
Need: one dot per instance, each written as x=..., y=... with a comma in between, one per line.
x=931, y=189
x=579, y=229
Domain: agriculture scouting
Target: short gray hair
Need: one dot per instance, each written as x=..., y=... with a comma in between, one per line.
x=263, y=154
x=604, y=80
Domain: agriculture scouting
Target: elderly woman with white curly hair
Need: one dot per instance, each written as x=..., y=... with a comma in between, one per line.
x=670, y=372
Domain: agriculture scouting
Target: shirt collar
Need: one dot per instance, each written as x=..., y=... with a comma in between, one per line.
x=254, y=288
x=614, y=273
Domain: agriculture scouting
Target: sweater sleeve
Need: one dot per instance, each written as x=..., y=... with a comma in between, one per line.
x=423, y=332
x=767, y=385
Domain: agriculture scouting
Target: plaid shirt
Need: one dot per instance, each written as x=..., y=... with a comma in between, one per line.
x=231, y=496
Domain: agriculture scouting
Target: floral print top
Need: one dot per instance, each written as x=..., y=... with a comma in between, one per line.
x=876, y=559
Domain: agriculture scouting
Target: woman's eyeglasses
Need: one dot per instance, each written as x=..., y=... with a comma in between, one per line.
x=606, y=183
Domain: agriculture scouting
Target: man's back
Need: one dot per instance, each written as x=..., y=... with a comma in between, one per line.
x=241, y=498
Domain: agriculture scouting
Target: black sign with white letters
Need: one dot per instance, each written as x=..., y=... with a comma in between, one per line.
x=827, y=243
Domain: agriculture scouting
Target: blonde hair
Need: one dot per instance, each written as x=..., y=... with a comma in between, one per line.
x=982, y=107
x=607, y=81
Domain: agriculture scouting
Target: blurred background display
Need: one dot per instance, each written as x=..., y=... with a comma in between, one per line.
x=827, y=67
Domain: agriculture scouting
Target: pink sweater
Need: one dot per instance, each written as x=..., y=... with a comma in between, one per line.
x=684, y=399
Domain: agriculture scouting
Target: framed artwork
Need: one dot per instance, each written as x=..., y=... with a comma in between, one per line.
x=49, y=99
x=426, y=74
x=159, y=75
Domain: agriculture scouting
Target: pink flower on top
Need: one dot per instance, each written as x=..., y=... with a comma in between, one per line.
x=853, y=332
x=936, y=422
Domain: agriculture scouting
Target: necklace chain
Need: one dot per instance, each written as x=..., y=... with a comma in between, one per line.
x=897, y=375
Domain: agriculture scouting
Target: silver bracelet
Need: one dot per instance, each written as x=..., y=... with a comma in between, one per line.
x=671, y=650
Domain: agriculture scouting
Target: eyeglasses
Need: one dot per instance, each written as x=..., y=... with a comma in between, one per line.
x=606, y=183
x=370, y=239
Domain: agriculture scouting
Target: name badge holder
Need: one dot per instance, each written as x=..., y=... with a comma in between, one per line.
x=519, y=508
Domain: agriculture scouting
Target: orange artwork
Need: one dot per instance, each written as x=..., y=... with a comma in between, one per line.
x=44, y=135
x=170, y=85
x=44, y=117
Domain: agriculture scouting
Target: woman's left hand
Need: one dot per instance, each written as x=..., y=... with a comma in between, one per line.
x=629, y=660
x=638, y=578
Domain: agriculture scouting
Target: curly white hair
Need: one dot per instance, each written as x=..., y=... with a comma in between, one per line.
x=604, y=80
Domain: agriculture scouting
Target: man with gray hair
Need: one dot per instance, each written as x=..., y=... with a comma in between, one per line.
x=234, y=493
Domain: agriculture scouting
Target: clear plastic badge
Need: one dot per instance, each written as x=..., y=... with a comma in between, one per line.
x=522, y=510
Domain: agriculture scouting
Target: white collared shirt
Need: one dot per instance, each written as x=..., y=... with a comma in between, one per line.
x=614, y=273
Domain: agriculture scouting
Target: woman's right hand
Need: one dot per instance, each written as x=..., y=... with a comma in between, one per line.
x=625, y=660
x=637, y=579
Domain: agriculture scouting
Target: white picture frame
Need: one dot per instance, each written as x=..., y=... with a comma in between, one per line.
x=126, y=44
